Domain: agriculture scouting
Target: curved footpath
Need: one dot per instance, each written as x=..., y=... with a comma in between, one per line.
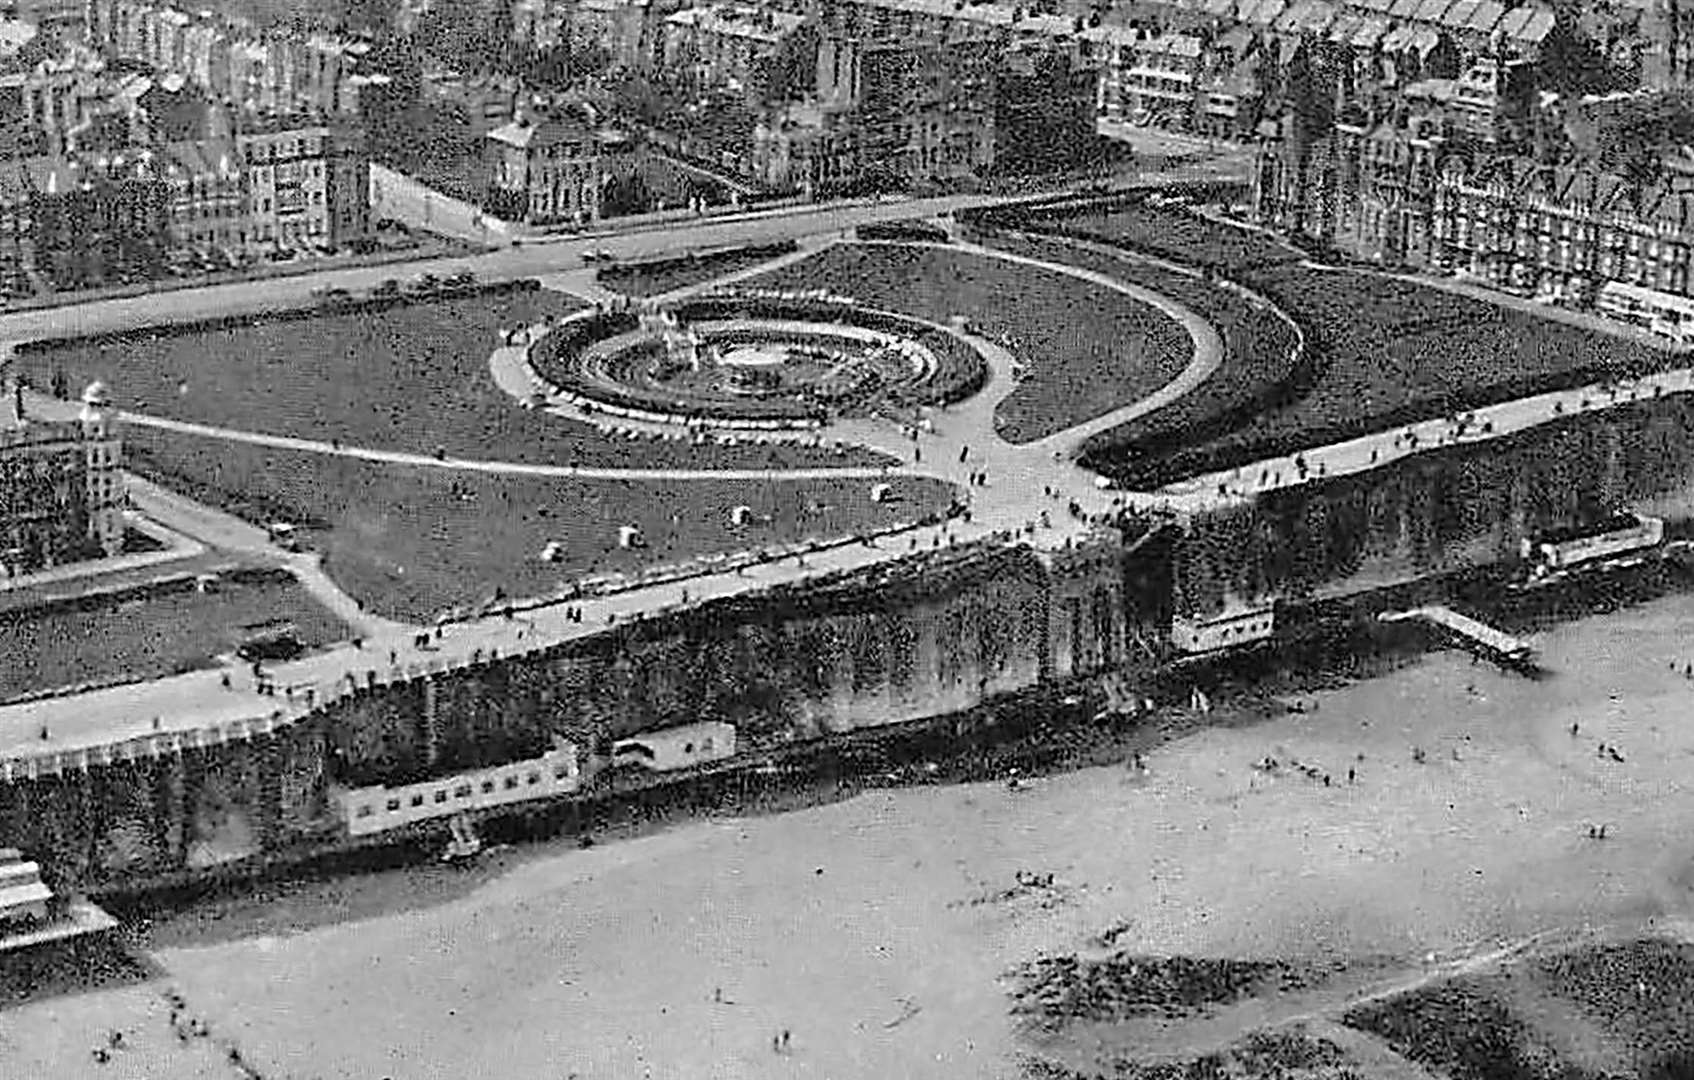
x=963, y=443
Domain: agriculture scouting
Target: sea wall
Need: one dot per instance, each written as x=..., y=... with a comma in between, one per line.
x=1449, y=510
x=921, y=637
x=930, y=635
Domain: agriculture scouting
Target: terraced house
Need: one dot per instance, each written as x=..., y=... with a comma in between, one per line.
x=1564, y=230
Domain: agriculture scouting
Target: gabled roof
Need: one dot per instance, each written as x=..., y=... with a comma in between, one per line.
x=1263, y=12
x=1527, y=25
x=1486, y=16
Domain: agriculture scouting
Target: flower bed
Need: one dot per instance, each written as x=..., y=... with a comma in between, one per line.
x=654, y=277
x=569, y=360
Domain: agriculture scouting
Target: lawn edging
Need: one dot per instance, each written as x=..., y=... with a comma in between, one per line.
x=349, y=305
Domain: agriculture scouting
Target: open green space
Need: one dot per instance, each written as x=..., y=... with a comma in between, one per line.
x=654, y=277
x=411, y=541
x=1089, y=350
x=143, y=634
x=1181, y=235
x=1381, y=350
x=1262, y=366
x=410, y=377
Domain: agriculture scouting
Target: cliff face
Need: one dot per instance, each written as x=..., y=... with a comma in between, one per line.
x=1452, y=510
x=925, y=637
x=928, y=636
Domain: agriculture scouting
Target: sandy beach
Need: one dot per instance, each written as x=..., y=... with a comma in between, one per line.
x=876, y=929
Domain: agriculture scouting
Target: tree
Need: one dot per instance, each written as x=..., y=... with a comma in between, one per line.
x=624, y=195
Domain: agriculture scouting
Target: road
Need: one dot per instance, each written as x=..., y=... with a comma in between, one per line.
x=398, y=196
x=963, y=443
x=962, y=446
x=229, y=533
x=529, y=260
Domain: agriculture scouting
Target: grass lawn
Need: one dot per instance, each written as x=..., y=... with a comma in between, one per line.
x=129, y=635
x=1258, y=368
x=409, y=542
x=1182, y=236
x=665, y=275
x=410, y=378
x=1089, y=349
x=1386, y=351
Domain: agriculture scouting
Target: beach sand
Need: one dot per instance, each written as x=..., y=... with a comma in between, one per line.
x=835, y=922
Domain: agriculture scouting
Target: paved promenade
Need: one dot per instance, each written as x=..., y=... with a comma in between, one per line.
x=1022, y=484
x=1372, y=451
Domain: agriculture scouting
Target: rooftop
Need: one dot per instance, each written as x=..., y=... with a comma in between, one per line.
x=755, y=24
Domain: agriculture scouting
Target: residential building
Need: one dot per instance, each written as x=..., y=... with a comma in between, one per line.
x=66, y=18
x=1491, y=101
x=208, y=208
x=347, y=183
x=1565, y=230
x=1151, y=79
x=538, y=24
x=61, y=479
x=486, y=102
x=17, y=229
x=625, y=29
x=98, y=218
x=60, y=100
x=545, y=170
x=924, y=109
x=287, y=183
x=272, y=71
x=1044, y=112
x=757, y=50
x=807, y=148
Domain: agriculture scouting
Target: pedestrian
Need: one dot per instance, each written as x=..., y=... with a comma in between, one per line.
x=1574, y=728
x=785, y=1034
x=776, y=1044
x=1351, y=774
x=1602, y=833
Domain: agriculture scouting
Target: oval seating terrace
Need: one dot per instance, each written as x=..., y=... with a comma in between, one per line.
x=622, y=364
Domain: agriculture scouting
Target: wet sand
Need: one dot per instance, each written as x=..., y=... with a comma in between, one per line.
x=603, y=963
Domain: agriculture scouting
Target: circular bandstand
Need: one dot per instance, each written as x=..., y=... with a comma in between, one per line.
x=755, y=359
